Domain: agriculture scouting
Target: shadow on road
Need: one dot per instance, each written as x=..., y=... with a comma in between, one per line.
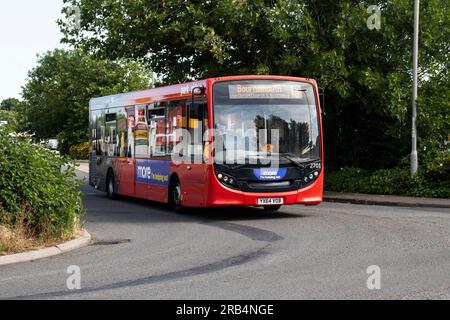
x=98, y=205
x=240, y=213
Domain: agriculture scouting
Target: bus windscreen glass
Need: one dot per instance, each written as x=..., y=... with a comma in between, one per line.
x=256, y=117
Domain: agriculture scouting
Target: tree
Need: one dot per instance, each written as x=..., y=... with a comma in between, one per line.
x=59, y=88
x=366, y=73
x=9, y=112
x=9, y=104
x=10, y=117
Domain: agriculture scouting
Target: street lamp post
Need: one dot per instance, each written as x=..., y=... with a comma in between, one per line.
x=414, y=160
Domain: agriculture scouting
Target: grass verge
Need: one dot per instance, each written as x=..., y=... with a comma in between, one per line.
x=18, y=240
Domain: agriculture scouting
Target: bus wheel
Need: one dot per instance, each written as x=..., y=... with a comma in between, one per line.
x=110, y=187
x=272, y=208
x=175, y=196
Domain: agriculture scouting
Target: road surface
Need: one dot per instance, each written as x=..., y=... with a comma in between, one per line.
x=142, y=250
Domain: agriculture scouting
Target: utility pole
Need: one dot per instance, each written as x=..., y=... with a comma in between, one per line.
x=414, y=161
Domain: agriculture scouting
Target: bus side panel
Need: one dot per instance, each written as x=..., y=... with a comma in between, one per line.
x=92, y=168
x=194, y=186
x=157, y=193
x=141, y=191
x=126, y=174
x=104, y=163
x=151, y=178
x=151, y=192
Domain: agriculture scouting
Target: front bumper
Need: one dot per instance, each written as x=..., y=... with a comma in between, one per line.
x=220, y=195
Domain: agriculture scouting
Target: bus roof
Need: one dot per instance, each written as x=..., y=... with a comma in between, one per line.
x=172, y=92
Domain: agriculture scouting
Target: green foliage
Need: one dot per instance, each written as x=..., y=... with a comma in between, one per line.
x=67, y=139
x=58, y=91
x=437, y=167
x=433, y=180
x=10, y=117
x=9, y=104
x=386, y=181
x=38, y=189
x=366, y=73
x=11, y=111
x=79, y=151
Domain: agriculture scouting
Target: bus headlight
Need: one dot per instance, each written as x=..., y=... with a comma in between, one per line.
x=227, y=180
x=312, y=176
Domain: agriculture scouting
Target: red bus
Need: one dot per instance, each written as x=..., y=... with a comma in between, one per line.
x=228, y=141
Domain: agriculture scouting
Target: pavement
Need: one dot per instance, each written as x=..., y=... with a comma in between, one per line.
x=372, y=199
x=142, y=250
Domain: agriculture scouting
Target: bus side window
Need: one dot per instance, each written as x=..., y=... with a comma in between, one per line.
x=130, y=113
x=122, y=141
x=196, y=125
x=97, y=122
x=141, y=132
x=176, y=119
x=110, y=134
x=157, y=130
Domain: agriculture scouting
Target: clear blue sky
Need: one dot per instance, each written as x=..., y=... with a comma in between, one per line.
x=27, y=27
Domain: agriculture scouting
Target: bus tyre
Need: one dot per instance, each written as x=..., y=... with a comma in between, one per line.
x=272, y=208
x=175, y=196
x=110, y=186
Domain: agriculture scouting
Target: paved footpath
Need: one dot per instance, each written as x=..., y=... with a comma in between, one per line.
x=373, y=199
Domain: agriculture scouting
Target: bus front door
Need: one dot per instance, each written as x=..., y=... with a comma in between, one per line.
x=194, y=173
x=127, y=162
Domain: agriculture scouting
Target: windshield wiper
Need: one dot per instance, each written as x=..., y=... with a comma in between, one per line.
x=241, y=165
x=298, y=164
x=238, y=166
x=302, y=163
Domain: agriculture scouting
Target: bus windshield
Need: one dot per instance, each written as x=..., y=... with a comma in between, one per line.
x=254, y=118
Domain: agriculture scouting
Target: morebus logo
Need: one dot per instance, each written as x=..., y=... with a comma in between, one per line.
x=155, y=172
x=144, y=172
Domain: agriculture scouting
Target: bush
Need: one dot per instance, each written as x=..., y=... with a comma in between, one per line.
x=79, y=151
x=432, y=180
x=36, y=194
x=70, y=138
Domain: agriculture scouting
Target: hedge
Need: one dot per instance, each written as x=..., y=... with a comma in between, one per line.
x=79, y=151
x=432, y=180
x=38, y=189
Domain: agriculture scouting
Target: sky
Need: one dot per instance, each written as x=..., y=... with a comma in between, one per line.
x=27, y=28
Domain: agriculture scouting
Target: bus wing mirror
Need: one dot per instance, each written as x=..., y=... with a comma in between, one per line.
x=322, y=100
x=197, y=91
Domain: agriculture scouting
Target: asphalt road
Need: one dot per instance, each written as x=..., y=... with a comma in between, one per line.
x=141, y=250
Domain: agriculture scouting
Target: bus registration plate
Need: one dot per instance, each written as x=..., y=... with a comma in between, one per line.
x=270, y=201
